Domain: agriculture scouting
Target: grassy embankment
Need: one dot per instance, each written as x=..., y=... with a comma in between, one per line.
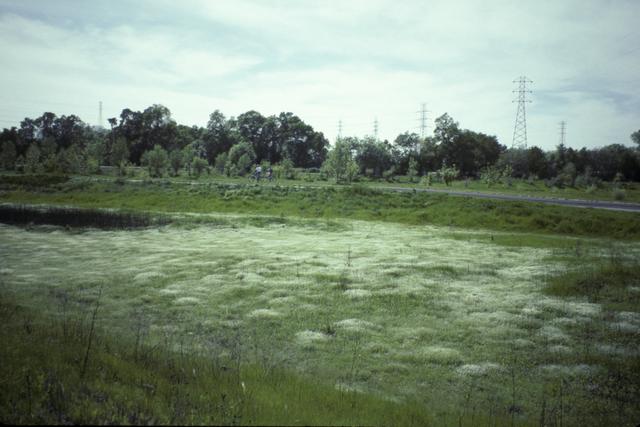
x=609, y=191
x=354, y=202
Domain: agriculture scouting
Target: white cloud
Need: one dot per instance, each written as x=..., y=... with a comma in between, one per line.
x=333, y=60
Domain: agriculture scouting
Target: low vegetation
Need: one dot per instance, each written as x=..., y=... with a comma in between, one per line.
x=352, y=202
x=44, y=381
x=227, y=303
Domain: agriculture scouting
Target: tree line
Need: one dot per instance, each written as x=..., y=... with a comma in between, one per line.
x=232, y=146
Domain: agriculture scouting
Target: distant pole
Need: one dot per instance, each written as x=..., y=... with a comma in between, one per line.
x=100, y=114
x=520, y=128
x=563, y=132
x=423, y=120
x=339, y=129
x=375, y=128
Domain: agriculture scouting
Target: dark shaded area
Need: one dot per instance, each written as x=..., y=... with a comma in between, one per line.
x=33, y=181
x=73, y=217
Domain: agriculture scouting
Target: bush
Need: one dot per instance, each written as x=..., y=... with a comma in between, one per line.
x=8, y=156
x=176, y=159
x=288, y=172
x=157, y=160
x=199, y=165
x=619, y=194
x=32, y=160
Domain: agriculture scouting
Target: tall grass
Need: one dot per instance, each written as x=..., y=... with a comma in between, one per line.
x=45, y=380
x=356, y=202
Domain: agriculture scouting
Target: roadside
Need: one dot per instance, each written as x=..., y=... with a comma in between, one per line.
x=579, y=203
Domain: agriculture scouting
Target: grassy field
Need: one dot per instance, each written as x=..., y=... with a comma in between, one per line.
x=470, y=315
x=350, y=202
x=625, y=191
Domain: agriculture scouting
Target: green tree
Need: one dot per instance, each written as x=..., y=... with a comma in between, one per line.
x=240, y=158
x=412, y=171
x=32, y=159
x=176, y=159
x=286, y=169
x=340, y=164
x=119, y=151
x=220, y=163
x=8, y=155
x=635, y=137
x=199, y=165
x=156, y=160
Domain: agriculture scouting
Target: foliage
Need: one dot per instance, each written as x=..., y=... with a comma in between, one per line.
x=176, y=160
x=220, y=163
x=8, y=155
x=412, y=171
x=340, y=164
x=240, y=159
x=119, y=152
x=491, y=175
x=448, y=174
x=32, y=160
x=156, y=161
x=286, y=169
x=199, y=166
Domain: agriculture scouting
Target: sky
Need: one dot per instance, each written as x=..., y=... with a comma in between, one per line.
x=331, y=61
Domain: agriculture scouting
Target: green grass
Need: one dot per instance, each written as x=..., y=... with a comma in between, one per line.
x=536, y=188
x=355, y=202
x=432, y=308
x=614, y=284
x=401, y=312
x=42, y=383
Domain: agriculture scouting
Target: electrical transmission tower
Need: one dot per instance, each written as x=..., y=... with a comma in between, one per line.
x=339, y=129
x=563, y=132
x=375, y=128
x=520, y=128
x=423, y=120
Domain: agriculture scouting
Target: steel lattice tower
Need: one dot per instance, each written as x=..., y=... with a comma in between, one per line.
x=563, y=132
x=520, y=128
x=423, y=120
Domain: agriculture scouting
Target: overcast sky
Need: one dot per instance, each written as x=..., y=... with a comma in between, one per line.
x=327, y=61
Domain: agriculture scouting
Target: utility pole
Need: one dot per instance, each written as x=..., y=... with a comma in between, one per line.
x=340, y=129
x=375, y=128
x=520, y=128
x=423, y=120
x=563, y=132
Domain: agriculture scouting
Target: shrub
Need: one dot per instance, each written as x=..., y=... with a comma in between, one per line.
x=288, y=172
x=8, y=156
x=448, y=174
x=220, y=162
x=619, y=194
x=199, y=165
x=176, y=159
x=32, y=160
x=156, y=160
x=490, y=175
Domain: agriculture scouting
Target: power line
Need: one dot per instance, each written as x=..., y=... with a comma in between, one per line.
x=375, y=128
x=563, y=126
x=423, y=120
x=520, y=128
